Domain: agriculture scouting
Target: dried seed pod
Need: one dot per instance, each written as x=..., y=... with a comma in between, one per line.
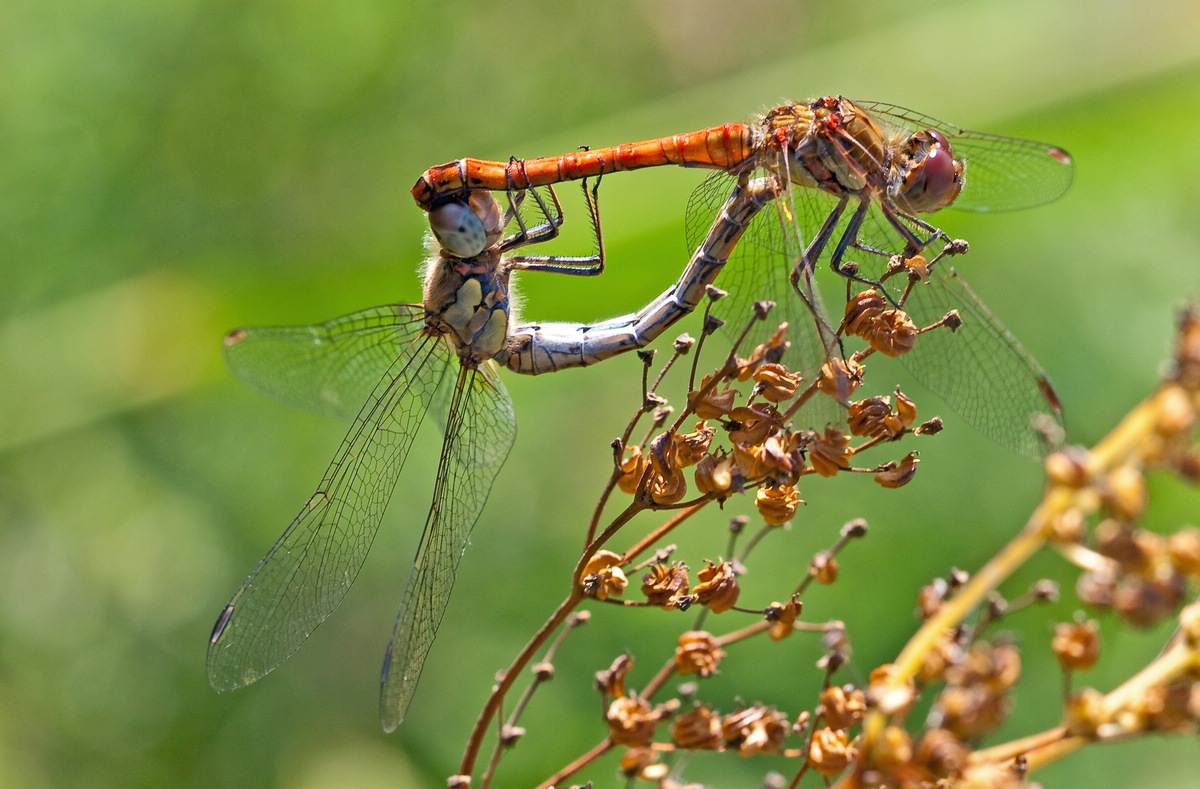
x=631, y=720
x=756, y=729
x=698, y=729
x=830, y=751
x=830, y=452
x=632, y=468
x=664, y=586
x=1076, y=644
x=697, y=653
x=602, y=575
x=777, y=504
x=718, y=588
x=897, y=475
x=776, y=383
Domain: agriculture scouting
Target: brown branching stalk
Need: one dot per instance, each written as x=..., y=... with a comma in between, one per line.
x=721, y=442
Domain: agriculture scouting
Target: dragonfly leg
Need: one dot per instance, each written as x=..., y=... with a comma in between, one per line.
x=582, y=266
x=848, y=238
x=538, y=233
x=802, y=279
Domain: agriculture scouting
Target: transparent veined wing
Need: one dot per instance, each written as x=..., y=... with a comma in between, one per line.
x=980, y=369
x=759, y=270
x=309, y=570
x=329, y=367
x=1002, y=173
x=480, y=432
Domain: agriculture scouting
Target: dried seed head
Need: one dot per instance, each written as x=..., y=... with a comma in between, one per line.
x=753, y=423
x=783, y=618
x=917, y=266
x=1187, y=350
x=602, y=575
x=1076, y=644
x=931, y=597
x=840, y=378
x=894, y=333
x=1183, y=548
x=775, y=383
x=893, y=752
x=830, y=751
x=698, y=729
x=830, y=452
x=942, y=753
x=631, y=720
x=930, y=427
x=823, y=568
x=888, y=695
x=781, y=459
x=715, y=403
x=667, y=482
x=1169, y=708
x=1084, y=712
x=862, y=310
x=854, y=529
x=755, y=730
x=889, y=331
x=777, y=504
x=691, y=447
x=1125, y=493
x=897, y=475
x=718, y=588
x=906, y=409
x=841, y=708
x=872, y=417
x=664, y=586
x=635, y=763
x=697, y=653
x=1176, y=414
x=994, y=666
x=945, y=652
x=611, y=681
x=714, y=475
x=1145, y=603
x=683, y=343
x=632, y=468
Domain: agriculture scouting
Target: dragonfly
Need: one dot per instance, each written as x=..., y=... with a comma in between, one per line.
x=386, y=367
x=860, y=178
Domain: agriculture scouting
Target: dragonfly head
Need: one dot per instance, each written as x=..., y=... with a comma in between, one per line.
x=464, y=228
x=926, y=176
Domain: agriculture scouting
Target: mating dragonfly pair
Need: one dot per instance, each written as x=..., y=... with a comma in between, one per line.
x=810, y=182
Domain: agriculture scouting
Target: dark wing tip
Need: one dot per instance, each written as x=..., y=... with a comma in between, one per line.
x=234, y=337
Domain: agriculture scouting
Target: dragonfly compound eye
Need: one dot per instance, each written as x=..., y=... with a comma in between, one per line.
x=933, y=179
x=458, y=229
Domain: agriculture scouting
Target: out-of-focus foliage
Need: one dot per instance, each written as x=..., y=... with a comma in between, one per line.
x=169, y=170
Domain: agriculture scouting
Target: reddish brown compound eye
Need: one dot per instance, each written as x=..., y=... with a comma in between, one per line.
x=458, y=229
x=934, y=178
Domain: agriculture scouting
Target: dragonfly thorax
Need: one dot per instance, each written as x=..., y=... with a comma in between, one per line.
x=467, y=301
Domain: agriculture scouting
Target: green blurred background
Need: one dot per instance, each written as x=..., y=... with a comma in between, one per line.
x=171, y=170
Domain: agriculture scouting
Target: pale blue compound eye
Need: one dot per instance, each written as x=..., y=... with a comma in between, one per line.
x=458, y=229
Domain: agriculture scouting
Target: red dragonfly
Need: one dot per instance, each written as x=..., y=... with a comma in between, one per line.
x=385, y=367
x=861, y=177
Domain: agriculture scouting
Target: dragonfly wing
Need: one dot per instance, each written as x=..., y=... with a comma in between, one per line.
x=480, y=432
x=759, y=270
x=1002, y=173
x=330, y=367
x=308, y=571
x=980, y=370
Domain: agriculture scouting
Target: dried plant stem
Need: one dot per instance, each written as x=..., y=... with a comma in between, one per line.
x=498, y=693
x=598, y=750
x=1123, y=445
